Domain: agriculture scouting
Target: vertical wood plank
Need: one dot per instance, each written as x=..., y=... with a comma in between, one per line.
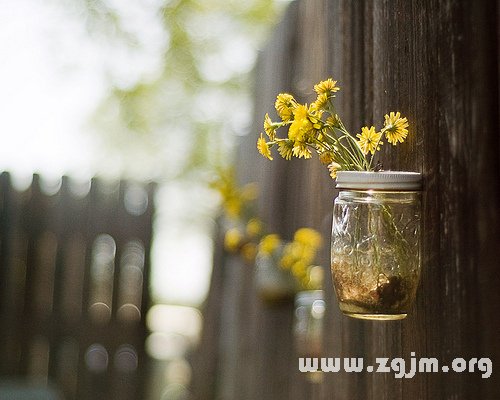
x=206, y=360
x=437, y=63
x=45, y=263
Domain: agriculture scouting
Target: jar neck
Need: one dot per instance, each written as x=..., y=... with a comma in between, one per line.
x=379, y=196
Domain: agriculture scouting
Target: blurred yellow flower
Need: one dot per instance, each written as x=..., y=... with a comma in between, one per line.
x=298, y=255
x=288, y=256
x=232, y=239
x=254, y=227
x=369, y=140
x=249, y=192
x=235, y=200
x=395, y=128
x=299, y=269
x=269, y=243
x=249, y=251
x=263, y=147
x=308, y=237
x=233, y=207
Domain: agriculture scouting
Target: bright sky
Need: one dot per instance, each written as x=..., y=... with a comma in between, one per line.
x=52, y=76
x=43, y=106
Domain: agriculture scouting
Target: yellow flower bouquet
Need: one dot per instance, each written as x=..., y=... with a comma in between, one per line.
x=375, y=245
x=318, y=128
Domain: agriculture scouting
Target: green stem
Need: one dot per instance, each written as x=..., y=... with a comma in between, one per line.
x=402, y=246
x=354, y=146
x=352, y=157
x=373, y=228
x=360, y=158
x=373, y=155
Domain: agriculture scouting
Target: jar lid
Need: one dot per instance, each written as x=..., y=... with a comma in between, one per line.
x=382, y=180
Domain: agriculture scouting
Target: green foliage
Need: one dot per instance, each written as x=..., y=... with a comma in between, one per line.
x=180, y=118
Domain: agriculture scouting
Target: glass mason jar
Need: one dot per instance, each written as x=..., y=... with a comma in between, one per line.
x=375, y=244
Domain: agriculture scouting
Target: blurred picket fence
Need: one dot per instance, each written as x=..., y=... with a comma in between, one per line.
x=74, y=274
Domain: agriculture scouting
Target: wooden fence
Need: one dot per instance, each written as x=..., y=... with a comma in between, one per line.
x=74, y=273
x=437, y=63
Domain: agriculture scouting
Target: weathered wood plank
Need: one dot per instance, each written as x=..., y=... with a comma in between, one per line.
x=47, y=258
x=438, y=63
x=206, y=361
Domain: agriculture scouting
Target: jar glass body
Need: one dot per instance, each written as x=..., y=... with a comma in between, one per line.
x=375, y=252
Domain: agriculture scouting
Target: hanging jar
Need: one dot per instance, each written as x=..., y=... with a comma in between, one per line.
x=375, y=247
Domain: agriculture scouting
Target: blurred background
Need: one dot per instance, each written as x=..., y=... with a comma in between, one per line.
x=150, y=90
x=103, y=281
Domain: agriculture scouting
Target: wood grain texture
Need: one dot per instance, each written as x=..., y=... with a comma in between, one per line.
x=437, y=62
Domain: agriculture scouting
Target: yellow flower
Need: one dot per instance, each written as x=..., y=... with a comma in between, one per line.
x=285, y=148
x=301, y=127
x=395, y=128
x=314, y=116
x=328, y=87
x=308, y=237
x=254, y=227
x=232, y=239
x=333, y=168
x=326, y=157
x=269, y=243
x=263, y=147
x=301, y=150
x=269, y=128
x=369, y=140
x=285, y=104
x=321, y=101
